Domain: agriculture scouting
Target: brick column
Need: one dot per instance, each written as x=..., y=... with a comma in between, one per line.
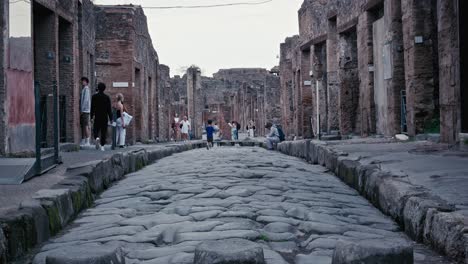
x=396, y=82
x=449, y=70
x=366, y=76
x=349, y=83
x=332, y=87
x=419, y=36
x=306, y=95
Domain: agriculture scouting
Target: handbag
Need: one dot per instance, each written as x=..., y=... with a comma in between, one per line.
x=127, y=118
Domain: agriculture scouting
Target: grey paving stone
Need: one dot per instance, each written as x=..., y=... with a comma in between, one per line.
x=229, y=251
x=86, y=255
x=373, y=251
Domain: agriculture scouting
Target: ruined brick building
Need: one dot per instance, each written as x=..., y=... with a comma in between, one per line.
x=230, y=95
x=53, y=44
x=364, y=67
x=127, y=61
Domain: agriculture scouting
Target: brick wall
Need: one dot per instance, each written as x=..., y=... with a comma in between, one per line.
x=3, y=121
x=124, y=53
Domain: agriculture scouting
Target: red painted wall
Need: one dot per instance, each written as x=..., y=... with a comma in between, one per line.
x=20, y=94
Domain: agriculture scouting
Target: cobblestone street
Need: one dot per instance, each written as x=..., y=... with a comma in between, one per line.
x=295, y=210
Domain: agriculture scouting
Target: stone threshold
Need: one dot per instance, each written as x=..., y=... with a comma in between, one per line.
x=423, y=216
x=51, y=210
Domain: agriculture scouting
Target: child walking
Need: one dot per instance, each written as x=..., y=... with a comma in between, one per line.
x=210, y=130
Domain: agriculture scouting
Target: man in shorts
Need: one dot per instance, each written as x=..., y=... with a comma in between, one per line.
x=85, y=110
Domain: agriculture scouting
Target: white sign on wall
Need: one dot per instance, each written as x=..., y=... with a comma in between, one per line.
x=307, y=83
x=120, y=84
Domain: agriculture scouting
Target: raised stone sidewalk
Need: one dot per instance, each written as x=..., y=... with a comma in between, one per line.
x=421, y=185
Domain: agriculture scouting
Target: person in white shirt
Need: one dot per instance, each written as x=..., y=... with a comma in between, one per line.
x=185, y=128
x=85, y=110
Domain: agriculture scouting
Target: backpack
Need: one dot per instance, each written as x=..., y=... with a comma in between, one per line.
x=282, y=137
x=238, y=126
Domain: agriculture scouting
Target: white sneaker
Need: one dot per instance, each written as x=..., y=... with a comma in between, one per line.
x=102, y=148
x=98, y=143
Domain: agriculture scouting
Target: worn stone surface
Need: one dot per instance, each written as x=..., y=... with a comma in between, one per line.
x=229, y=251
x=86, y=255
x=373, y=251
x=403, y=192
x=283, y=205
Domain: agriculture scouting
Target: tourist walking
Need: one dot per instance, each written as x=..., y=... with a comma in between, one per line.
x=251, y=129
x=273, y=136
x=234, y=135
x=85, y=110
x=185, y=128
x=120, y=122
x=101, y=113
x=210, y=130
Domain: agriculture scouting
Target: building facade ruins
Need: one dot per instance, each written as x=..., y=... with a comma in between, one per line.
x=50, y=45
x=370, y=67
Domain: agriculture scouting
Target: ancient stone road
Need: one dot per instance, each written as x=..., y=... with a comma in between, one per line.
x=295, y=210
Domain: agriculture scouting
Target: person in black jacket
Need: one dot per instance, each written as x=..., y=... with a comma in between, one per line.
x=101, y=113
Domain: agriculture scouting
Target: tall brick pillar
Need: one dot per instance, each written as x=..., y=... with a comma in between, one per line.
x=45, y=65
x=195, y=103
x=366, y=73
x=306, y=95
x=3, y=88
x=332, y=87
x=449, y=70
x=69, y=124
x=420, y=37
x=395, y=81
x=319, y=62
x=349, y=83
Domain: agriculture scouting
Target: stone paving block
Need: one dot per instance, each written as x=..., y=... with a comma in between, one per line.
x=40, y=218
x=3, y=247
x=373, y=251
x=83, y=254
x=80, y=192
x=229, y=251
x=393, y=195
x=347, y=171
x=445, y=231
x=59, y=207
x=19, y=229
x=415, y=212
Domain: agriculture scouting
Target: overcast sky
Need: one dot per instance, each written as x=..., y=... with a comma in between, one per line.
x=215, y=38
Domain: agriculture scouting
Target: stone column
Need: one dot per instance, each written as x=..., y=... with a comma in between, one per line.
x=419, y=37
x=395, y=79
x=349, y=83
x=449, y=70
x=366, y=75
x=332, y=87
x=306, y=94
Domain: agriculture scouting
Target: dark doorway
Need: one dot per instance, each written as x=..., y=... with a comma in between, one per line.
x=463, y=22
x=66, y=84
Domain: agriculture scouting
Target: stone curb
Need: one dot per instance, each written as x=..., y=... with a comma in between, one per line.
x=50, y=210
x=424, y=217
